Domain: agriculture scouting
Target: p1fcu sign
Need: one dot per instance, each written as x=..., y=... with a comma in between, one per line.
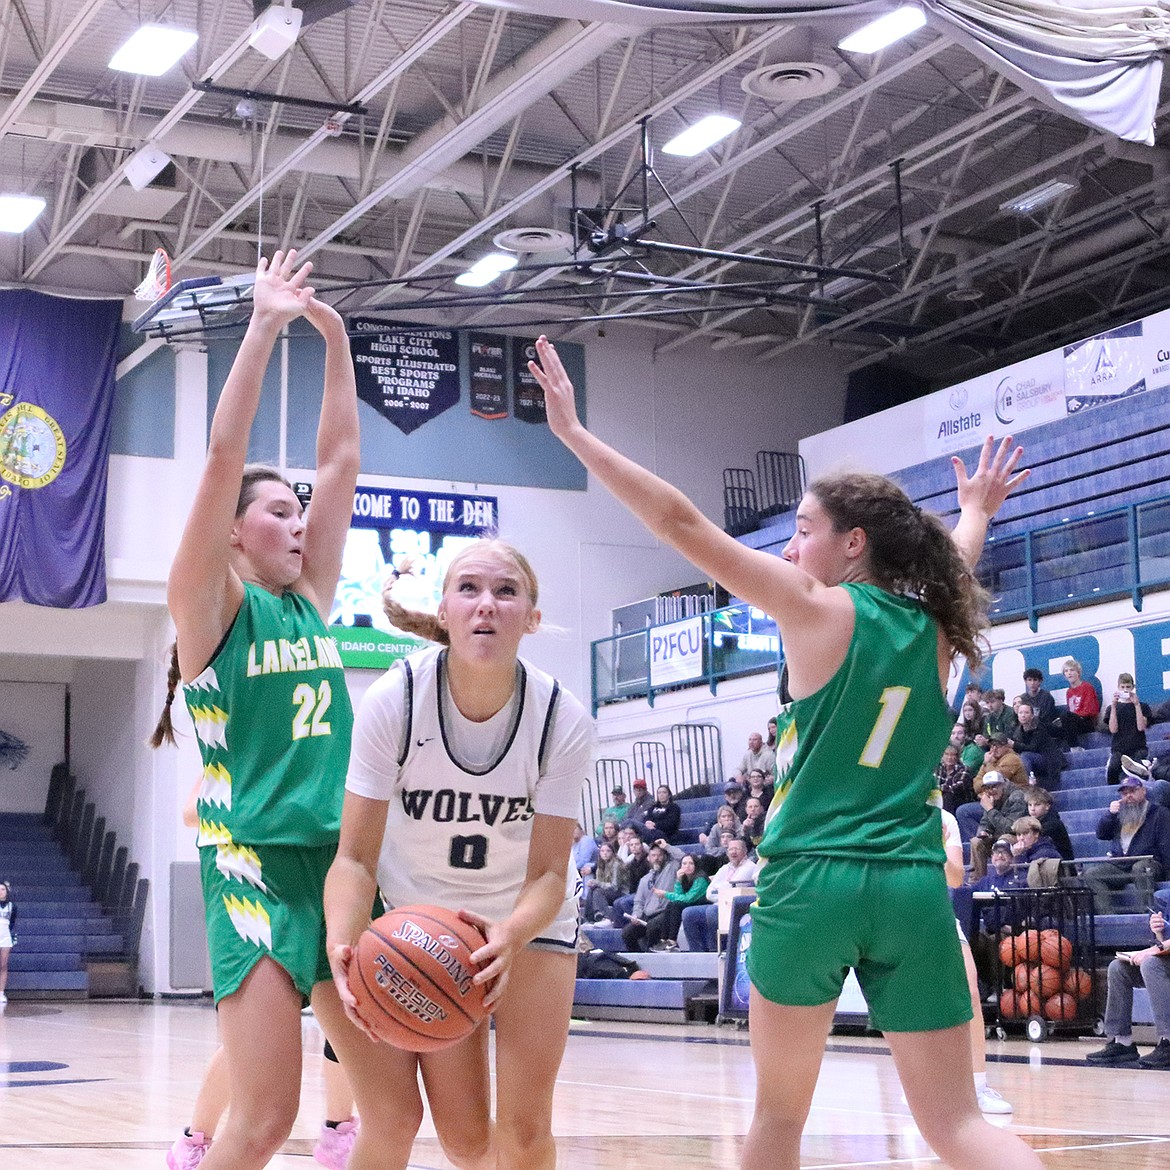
x=676, y=652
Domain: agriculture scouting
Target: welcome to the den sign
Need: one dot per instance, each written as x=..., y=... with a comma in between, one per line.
x=676, y=652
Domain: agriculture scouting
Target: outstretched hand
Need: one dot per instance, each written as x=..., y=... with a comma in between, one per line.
x=994, y=478
x=280, y=294
x=559, y=399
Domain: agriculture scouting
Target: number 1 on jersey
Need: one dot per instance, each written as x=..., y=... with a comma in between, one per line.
x=893, y=701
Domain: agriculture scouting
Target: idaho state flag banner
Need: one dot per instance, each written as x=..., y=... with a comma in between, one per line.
x=57, y=361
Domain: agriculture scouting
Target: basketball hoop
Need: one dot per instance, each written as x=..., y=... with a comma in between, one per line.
x=158, y=277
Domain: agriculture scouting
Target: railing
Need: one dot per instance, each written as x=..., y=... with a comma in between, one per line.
x=726, y=643
x=1119, y=552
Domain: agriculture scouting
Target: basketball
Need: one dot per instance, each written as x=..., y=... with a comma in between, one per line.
x=1055, y=950
x=1060, y=1007
x=1028, y=947
x=1078, y=983
x=640, y=975
x=1044, y=982
x=412, y=978
x=1007, y=952
x=1023, y=978
x=1007, y=1004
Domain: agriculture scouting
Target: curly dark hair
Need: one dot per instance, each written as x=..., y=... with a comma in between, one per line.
x=910, y=553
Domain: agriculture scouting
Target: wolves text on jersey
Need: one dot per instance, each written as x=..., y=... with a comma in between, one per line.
x=447, y=805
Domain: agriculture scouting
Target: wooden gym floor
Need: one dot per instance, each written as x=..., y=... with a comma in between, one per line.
x=93, y=1086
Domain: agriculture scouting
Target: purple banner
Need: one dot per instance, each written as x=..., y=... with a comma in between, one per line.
x=57, y=363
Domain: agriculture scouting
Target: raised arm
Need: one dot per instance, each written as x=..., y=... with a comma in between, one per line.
x=982, y=494
x=782, y=590
x=203, y=591
x=338, y=462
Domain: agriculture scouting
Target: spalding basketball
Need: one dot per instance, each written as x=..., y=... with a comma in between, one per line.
x=1078, y=983
x=1045, y=981
x=1055, y=950
x=1060, y=1007
x=412, y=978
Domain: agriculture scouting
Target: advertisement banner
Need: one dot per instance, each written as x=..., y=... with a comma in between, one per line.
x=529, y=396
x=1104, y=367
x=489, y=372
x=387, y=527
x=676, y=652
x=408, y=374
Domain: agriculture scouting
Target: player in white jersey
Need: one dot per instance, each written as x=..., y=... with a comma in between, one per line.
x=463, y=791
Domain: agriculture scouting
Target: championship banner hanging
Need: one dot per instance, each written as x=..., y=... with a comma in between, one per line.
x=529, y=396
x=489, y=372
x=408, y=374
x=57, y=377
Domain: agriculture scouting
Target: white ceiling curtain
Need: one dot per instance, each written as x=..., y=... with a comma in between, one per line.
x=1094, y=60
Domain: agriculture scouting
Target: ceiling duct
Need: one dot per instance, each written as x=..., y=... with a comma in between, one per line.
x=791, y=81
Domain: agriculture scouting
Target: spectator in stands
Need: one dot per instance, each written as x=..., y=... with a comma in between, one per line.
x=701, y=923
x=584, y=850
x=1003, y=874
x=607, y=884
x=758, y=755
x=999, y=719
x=609, y=832
x=1040, y=806
x=620, y=809
x=725, y=819
x=1126, y=718
x=1134, y=827
x=7, y=936
x=637, y=867
x=1002, y=759
x=625, y=840
x=1035, y=852
x=753, y=823
x=970, y=753
x=1002, y=803
x=1082, y=705
x=663, y=817
x=641, y=806
x=972, y=696
x=1042, y=701
x=650, y=897
x=1034, y=744
x=771, y=740
x=760, y=787
x=735, y=798
x=1149, y=968
x=1002, y=877
x=690, y=888
x=953, y=779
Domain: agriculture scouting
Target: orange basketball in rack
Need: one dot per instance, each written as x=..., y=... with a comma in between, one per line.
x=1060, y=1007
x=412, y=978
x=1007, y=952
x=1055, y=950
x=1023, y=978
x=1045, y=981
x=1078, y=983
x=1028, y=947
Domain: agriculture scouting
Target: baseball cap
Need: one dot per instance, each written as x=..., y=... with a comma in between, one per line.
x=733, y=786
x=616, y=789
x=1128, y=781
x=1001, y=846
x=639, y=783
x=992, y=778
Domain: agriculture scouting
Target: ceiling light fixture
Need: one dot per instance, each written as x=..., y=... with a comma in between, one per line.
x=1036, y=198
x=153, y=49
x=17, y=212
x=885, y=30
x=703, y=134
x=486, y=269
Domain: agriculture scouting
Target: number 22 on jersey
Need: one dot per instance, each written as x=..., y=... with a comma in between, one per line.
x=311, y=708
x=893, y=701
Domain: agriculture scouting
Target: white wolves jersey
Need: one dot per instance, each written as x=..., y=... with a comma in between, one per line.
x=462, y=795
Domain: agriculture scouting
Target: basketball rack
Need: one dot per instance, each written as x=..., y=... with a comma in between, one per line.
x=609, y=275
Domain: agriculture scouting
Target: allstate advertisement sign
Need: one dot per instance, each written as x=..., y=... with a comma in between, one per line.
x=676, y=652
x=1011, y=399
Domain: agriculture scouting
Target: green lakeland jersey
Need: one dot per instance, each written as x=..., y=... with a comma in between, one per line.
x=855, y=761
x=273, y=719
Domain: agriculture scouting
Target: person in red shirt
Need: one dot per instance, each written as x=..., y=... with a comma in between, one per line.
x=1083, y=703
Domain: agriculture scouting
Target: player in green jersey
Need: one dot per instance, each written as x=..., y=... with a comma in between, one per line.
x=250, y=591
x=873, y=599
